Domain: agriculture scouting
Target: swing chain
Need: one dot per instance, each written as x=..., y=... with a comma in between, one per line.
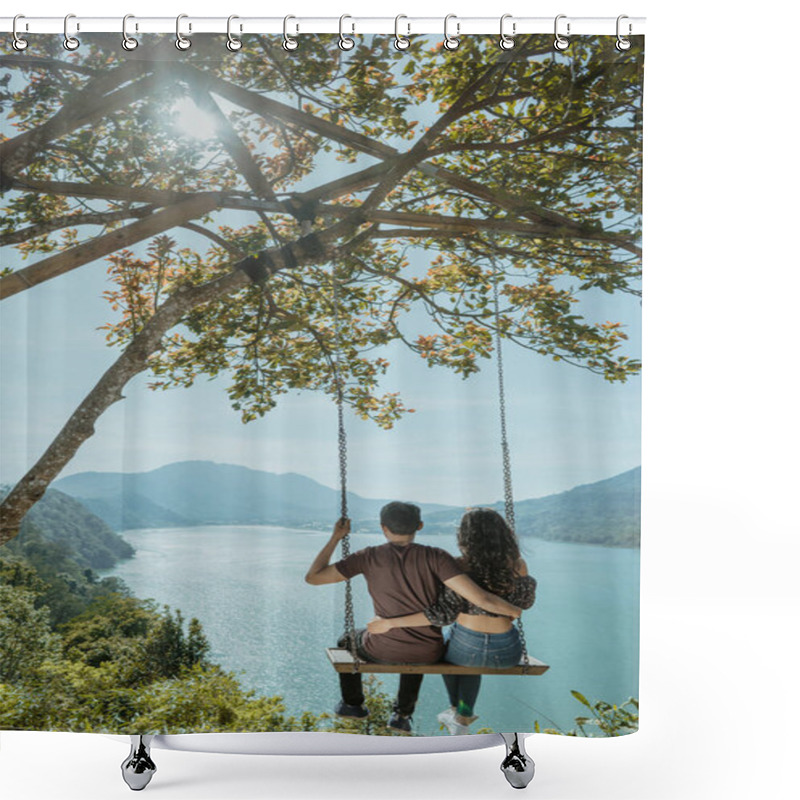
x=349, y=617
x=508, y=491
x=524, y=644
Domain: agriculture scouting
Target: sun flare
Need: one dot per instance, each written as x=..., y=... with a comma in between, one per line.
x=192, y=121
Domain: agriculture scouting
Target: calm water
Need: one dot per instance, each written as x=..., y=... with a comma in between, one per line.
x=246, y=586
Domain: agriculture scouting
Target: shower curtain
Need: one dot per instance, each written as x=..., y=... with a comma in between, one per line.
x=248, y=292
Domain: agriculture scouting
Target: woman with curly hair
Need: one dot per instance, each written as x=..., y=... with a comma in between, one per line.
x=490, y=555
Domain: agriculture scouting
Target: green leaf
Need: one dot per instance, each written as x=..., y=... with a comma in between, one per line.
x=580, y=698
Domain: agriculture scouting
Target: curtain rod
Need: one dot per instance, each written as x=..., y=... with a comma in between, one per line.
x=407, y=25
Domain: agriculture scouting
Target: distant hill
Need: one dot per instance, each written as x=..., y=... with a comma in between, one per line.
x=206, y=493
x=192, y=493
x=59, y=518
x=606, y=512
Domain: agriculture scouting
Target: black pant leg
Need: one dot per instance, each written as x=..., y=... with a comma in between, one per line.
x=407, y=694
x=351, y=682
x=352, y=688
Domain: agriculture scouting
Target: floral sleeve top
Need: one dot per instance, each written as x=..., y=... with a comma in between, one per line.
x=449, y=605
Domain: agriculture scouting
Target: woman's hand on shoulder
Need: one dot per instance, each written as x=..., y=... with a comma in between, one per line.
x=521, y=568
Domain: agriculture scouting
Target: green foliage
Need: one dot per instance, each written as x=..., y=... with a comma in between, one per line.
x=25, y=637
x=605, y=719
x=111, y=629
x=124, y=665
x=520, y=167
x=60, y=584
x=59, y=519
x=62, y=695
x=168, y=650
x=204, y=700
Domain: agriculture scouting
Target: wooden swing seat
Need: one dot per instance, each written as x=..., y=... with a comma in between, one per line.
x=342, y=661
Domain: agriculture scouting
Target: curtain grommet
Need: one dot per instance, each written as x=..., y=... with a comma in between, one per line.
x=346, y=42
x=623, y=43
x=233, y=44
x=181, y=42
x=289, y=42
x=506, y=41
x=70, y=42
x=17, y=42
x=401, y=42
x=561, y=43
x=451, y=42
x=128, y=42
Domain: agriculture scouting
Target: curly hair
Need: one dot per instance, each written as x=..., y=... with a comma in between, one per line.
x=489, y=549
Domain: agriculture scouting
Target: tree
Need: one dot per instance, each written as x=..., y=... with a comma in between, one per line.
x=515, y=172
x=25, y=638
x=111, y=629
x=168, y=650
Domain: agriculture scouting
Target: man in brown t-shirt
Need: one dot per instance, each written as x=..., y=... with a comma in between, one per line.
x=403, y=577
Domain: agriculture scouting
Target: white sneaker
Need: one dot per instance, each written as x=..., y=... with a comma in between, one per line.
x=448, y=719
x=447, y=716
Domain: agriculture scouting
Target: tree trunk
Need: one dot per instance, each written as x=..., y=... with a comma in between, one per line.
x=106, y=392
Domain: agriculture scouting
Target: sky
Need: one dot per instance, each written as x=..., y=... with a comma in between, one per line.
x=566, y=426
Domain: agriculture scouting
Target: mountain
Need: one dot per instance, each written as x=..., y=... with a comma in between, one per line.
x=192, y=493
x=606, y=513
x=206, y=493
x=59, y=518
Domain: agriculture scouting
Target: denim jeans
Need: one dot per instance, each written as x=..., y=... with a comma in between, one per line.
x=352, y=687
x=473, y=649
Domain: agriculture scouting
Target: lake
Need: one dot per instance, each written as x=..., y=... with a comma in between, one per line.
x=245, y=584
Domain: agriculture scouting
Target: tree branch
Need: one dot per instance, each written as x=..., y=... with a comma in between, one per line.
x=218, y=240
x=272, y=109
x=460, y=224
x=141, y=194
x=32, y=62
x=22, y=279
x=240, y=154
x=68, y=221
x=84, y=107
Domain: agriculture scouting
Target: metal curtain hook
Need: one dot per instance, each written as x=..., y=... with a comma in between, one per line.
x=623, y=43
x=507, y=42
x=345, y=42
x=128, y=42
x=18, y=43
x=561, y=43
x=451, y=42
x=233, y=44
x=70, y=42
x=289, y=43
x=401, y=42
x=181, y=42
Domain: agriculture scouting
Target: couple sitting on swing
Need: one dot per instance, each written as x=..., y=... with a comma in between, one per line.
x=415, y=590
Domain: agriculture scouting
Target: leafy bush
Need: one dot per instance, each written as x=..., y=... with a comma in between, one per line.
x=606, y=719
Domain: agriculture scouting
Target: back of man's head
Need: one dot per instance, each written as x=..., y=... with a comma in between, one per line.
x=402, y=519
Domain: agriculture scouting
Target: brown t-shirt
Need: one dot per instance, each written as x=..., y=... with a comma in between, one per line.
x=402, y=579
